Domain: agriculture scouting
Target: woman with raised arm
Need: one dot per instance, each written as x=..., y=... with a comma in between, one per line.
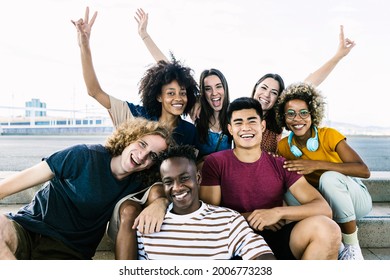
x=270, y=86
x=267, y=89
x=167, y=90
x=211, y=121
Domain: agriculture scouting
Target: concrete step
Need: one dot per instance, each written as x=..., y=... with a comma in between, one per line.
x=373, y=229
x=378, y=185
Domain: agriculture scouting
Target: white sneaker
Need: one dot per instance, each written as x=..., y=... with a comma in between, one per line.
x=351, y=252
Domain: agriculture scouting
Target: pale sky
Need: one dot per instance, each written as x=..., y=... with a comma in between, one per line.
x=40, y=58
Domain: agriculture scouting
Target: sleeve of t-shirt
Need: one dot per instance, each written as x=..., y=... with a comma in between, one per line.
x=67, y=163
x=333, y=138
x=210, y=172
x=290, y=177
x=141, y=249
x=119, y=111
x=244, y=242
x=284, y=149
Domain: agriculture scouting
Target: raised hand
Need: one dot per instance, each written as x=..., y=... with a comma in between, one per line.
x=345, y=44
x=83, y=27
x=142, y=19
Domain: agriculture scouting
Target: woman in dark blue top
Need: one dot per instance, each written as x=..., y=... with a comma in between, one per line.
x=210, y=121
x=167, y=91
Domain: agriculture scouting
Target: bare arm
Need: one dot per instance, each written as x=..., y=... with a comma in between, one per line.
x=142, y=20
x=152, y=217
x=210, y=194
x=312, y=203
x=352, y=164
x=25, y=179
x=83, y=27
x=345, y=46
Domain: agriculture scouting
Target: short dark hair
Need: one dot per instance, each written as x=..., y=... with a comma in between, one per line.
x=183, y=151
x=244, y=103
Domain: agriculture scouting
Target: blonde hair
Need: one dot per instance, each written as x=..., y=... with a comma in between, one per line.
x=132, y=130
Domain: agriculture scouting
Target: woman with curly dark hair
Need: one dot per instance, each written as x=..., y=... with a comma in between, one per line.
x=210, y=121
x=324, y=157
x=167, y=91
x=266, y=90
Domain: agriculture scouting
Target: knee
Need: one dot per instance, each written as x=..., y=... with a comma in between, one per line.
x=331, y=178
x=327, y=232
x=5, y=229
x=128, y=211
x=331, y=182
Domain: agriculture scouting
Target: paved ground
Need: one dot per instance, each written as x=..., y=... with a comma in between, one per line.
x=20, y=152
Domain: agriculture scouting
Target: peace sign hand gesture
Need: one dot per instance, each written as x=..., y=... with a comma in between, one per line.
x=84, y=27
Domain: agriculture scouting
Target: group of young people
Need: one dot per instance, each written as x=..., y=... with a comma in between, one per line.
x=224, y=186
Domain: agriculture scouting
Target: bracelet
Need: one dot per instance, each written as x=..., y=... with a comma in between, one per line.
x=145, y=37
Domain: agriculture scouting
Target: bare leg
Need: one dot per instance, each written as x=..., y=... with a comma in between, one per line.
x=349, y=227
x=8, y=239
x=316, y=238
x=126, y=241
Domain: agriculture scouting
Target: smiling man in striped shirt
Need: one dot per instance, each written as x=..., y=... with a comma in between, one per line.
x=193, y=229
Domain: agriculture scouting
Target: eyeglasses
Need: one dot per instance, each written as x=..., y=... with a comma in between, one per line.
x=291, y=114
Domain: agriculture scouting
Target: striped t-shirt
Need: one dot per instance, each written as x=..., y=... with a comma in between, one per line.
x=211, y=232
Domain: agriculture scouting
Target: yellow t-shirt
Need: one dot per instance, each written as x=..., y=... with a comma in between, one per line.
x=328, y=139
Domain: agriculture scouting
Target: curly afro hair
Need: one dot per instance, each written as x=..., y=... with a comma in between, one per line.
x=306, y=92
x=161, y=74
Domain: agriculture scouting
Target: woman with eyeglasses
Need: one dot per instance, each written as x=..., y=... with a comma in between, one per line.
x=326, y=160
x=270, y=87
x=267, y=90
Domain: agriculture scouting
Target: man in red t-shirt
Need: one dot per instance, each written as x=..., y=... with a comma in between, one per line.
x=254, y=183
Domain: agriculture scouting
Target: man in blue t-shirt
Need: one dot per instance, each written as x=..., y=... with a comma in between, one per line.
x=67, y=217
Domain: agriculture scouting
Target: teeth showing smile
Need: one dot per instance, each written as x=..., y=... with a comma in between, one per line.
x=134, y=160
x=247, y=136
x=216, y=102
x=298, y=126
x=264, y=101
x=180, y=196
x=177, y=105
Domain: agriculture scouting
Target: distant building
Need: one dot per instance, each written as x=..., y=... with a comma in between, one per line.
x=36, y=104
